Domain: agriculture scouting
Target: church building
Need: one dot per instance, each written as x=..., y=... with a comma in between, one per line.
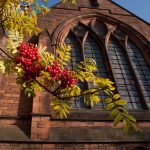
x=119, y=42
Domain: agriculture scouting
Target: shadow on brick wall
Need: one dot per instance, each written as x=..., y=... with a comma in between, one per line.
x=24, y=112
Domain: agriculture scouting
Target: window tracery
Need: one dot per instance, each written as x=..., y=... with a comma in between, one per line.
x=116, y=57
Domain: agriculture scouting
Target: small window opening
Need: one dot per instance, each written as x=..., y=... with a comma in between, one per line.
x=94, y=3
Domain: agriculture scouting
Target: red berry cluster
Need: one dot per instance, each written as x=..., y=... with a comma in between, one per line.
x=55, y=70
x=27, y=57
x=32, y=71
x=67, y=78
x=27, y=54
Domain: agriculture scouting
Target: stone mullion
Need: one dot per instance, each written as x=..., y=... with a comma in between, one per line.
x=135, y=77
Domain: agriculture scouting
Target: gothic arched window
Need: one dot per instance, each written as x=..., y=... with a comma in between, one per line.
x=117, y=57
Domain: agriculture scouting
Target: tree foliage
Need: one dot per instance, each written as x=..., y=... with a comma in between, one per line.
x=38, y=69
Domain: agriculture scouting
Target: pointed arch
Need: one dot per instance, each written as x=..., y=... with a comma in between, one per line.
x=99, y=28
x=93, y=32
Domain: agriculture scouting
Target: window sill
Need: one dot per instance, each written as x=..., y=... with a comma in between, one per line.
x=97, y=115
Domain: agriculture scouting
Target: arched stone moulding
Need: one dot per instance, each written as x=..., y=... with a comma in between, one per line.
x=63, y=28
x=120, y=31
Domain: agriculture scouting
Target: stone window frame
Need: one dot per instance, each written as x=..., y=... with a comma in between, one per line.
x=62, y=31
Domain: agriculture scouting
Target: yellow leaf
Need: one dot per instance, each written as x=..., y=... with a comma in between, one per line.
x=56, y=107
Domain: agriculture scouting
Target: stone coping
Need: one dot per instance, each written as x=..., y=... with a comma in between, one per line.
x=76, y=135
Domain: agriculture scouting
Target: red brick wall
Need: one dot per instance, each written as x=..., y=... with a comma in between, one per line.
x=10, y=94
x=42, y=146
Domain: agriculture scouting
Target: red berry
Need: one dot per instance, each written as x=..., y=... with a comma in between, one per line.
x=27, y=57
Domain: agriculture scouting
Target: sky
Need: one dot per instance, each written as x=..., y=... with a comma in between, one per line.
x=141, y=8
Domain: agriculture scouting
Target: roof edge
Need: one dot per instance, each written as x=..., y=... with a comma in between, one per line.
x=55, y=5
x=130, y=12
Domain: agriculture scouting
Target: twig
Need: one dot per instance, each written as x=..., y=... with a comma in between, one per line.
x=63, y=98
x=2, y=27
x=2, y=56
x=56, y=90
x=48, y=90
x=86, y=93
x=6, y=53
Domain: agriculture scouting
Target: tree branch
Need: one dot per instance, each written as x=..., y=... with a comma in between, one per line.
x=2, y=56
x=48, y=90
x=86, y=93
x=6, y=53
x=3, y=29
x=64, y=98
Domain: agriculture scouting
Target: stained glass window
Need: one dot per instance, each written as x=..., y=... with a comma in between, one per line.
x=92, y=50
x=76, y=57
x=141, y=70
x=133, y=86
x=123, y=75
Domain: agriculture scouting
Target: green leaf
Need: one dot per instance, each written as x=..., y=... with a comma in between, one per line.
x=2, y=66
x=109, y=106
x=36, y=87
x=29, y=92
x=131, y=118
x=125, y=126
x=89, y=65
x=116, y=96
x=79, y=77
x=64, y=113
x=108, y=100
x=52, y=103
x=117, y=119
x=133, y=125
x=63, y=54
x=114, y=112
x=6, y=66
x=121, y=102
x=122, y=109
x=75, y=90
x=57, y=107
x=95, y=99
x=111, y=88
x=46, y=58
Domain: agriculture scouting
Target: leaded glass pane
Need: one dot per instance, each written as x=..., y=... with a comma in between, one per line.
x=141, y=69
x=100, y=29
x=76, y=57
x=79, y=30
x=92, y=50
x=119, y=33
x=123, y=75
